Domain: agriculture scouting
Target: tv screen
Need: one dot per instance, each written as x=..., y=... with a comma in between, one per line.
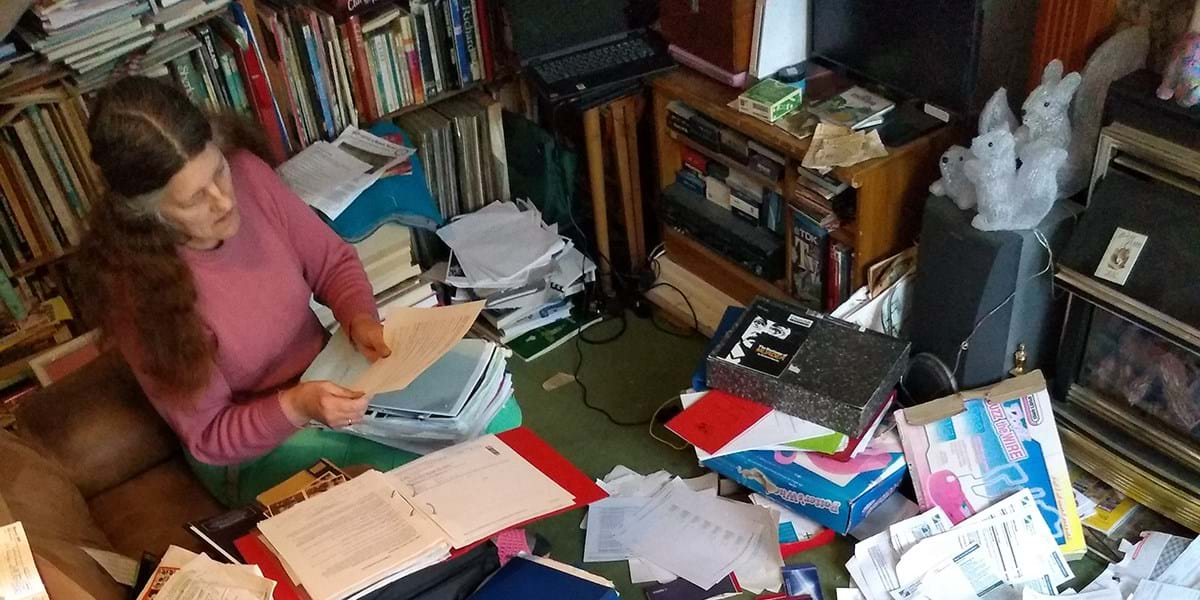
x=926, y=49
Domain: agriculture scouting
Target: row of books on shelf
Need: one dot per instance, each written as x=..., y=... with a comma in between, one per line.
x=461, y=144
x=821, y=268
x=344, y=61
x=48, y=183
x=320, y=67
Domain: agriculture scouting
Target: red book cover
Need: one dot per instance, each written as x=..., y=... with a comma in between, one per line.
x=362, y=69
x=484, y=26
x=414, y=60
x=270, y=22
x=259, y=87
x=260, y=93
x=831, y=278
x=714, y=420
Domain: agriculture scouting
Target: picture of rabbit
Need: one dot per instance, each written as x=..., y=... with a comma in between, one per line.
x=954, y=183
x=1045, y=118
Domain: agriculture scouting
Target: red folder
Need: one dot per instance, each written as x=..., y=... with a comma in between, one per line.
x=255, y=551
x=714, y=420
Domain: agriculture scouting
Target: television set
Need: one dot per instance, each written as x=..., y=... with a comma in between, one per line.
x=950, y=53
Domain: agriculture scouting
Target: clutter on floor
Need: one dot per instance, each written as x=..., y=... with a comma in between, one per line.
x=524, y=272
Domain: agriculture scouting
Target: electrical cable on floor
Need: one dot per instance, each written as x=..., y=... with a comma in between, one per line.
x=654, y=417
x=580, y=340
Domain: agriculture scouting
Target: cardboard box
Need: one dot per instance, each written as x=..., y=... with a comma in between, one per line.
x=974, y=448
x=835, y=494
x=809, y=365
x=770, y=100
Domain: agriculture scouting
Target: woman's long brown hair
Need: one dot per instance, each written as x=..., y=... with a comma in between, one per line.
x=142, y=133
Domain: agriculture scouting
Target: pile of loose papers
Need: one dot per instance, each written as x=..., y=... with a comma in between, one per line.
x=508, y=256
x=329, y=176
x=1001, y=552
x=183, y=575
x=667, y=528
x=451, y=402
x=1159, y=567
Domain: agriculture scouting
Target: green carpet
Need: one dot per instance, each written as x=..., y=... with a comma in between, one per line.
x=631, y=377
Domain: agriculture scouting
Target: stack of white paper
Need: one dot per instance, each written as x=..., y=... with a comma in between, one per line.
x=993, y=554
x=506, y=254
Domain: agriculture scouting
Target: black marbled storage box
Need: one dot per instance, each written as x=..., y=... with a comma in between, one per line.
x=808, y=365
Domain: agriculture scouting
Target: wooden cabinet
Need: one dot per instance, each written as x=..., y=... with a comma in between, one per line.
x=890, y=191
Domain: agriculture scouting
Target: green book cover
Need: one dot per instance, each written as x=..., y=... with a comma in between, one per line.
x=189, y=79
x=233, y=81
x=536, y=343
x=769, y=91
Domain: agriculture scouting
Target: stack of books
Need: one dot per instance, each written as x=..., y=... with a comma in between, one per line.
x=86, y=36
x=824, y=195
x=461, y=145
x=387, y=258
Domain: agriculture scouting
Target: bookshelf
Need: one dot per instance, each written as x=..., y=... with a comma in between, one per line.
x=888, y=191
x=302, y=71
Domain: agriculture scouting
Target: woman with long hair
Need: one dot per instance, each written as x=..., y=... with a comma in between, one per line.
x=202, y=262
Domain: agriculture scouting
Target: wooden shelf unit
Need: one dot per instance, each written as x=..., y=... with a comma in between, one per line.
x=890, y=191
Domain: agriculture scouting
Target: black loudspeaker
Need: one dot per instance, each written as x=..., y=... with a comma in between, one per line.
x=987, y=287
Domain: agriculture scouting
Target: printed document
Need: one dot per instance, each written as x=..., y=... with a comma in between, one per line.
x=968, y=575
x=206, y=579
x=908, y=532
x=478, y=488
x=1014, y=536
x=353, y=537
x=694, y=535
x=605, y=519
x=417, y=337
x=19, y=579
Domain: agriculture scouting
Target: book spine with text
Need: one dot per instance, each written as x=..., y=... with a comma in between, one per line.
x=413, y=59
x=362, y=70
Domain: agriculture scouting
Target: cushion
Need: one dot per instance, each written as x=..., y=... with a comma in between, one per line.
x=97, y=423
x=37, y=492
x=150, y=511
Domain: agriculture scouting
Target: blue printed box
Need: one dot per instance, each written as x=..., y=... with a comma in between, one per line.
x=838, y=495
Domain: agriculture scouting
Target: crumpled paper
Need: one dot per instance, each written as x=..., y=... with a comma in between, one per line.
x=835, y=146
